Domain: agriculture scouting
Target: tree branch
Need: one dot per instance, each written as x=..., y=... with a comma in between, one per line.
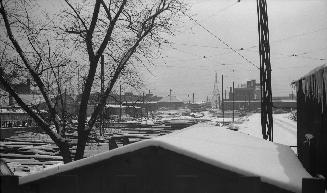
x=33, y=73
x=77, y=14
x=46, y=127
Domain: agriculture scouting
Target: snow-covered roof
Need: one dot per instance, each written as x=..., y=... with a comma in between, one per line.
x=16, y=110
x=170, y=99
x=276, y=164
x=314, y=83
x=140, y=102
x=12, y=111
x=123, y=106
x=32, y=99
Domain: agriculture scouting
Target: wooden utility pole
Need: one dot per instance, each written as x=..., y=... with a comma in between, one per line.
x=265, y=71
x=102, y=91
x=143, y=102
x=64, y=109
x=193, y=98
x=222, y=96
x=233, y=102
x=120, y=105
x=170, y=98
x=78, y=84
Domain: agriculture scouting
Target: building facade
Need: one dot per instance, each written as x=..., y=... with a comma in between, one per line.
x=312, y=121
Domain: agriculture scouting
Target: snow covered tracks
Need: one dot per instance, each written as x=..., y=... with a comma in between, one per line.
x=195, y=159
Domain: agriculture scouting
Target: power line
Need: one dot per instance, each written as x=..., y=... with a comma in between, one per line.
x=221, y=40
x=292, y=37
x=301, y=55
x=222, y=10
x=203, y=46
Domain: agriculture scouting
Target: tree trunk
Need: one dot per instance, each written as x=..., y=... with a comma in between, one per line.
x=81, y=143
x=65, y=152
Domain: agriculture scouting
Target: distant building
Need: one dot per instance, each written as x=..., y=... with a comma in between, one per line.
x=15, y=117
x=11, y=115
x=248, y=97
x=113, y=111
x=170, y=102
x=137, y=104
x=20, y=88
x=251, y=105
x=25, y=93
x=247, y=93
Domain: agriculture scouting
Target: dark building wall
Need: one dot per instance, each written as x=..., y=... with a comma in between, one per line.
x=171, y=105
x=147, y=106
x=312, y=120
x=20, y=88
x=243, y=94
x=250, y=92
x=285, y=104
x=256, y=104
x=151, y=169
x=248, y=105
x=251, y=84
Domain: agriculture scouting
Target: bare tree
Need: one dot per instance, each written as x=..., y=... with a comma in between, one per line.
x=126, y=32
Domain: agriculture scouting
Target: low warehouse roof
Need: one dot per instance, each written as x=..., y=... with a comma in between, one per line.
x=276, y=164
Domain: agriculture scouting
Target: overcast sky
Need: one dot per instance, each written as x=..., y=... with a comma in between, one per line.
x=189, y=66
x=296, y=27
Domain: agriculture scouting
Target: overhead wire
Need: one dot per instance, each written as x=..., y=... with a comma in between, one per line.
x=292, y=37
x=221, y=40
x=221, y=10
x=301, y=55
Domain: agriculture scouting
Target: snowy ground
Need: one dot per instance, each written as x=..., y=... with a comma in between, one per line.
x=284, y=128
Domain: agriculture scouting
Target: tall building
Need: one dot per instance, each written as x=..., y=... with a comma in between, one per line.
x=250, y=92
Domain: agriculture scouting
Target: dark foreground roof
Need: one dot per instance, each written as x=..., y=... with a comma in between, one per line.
x=274, y=163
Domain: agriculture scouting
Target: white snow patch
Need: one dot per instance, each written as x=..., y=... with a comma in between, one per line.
x=284, y=128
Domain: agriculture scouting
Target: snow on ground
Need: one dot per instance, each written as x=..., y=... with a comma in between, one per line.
x=284, y=128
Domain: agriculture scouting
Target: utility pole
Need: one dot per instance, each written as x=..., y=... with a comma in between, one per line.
x=249, y=102
x=149, y=107
x=78, y=84
x=170, y=95
x=222, y=97
x=120, y=105
x=64, y=106
x=265, y=71
x=170, y=98
x=143, y=101
x=101, y=95
x=233, y=102
x=193, y=98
